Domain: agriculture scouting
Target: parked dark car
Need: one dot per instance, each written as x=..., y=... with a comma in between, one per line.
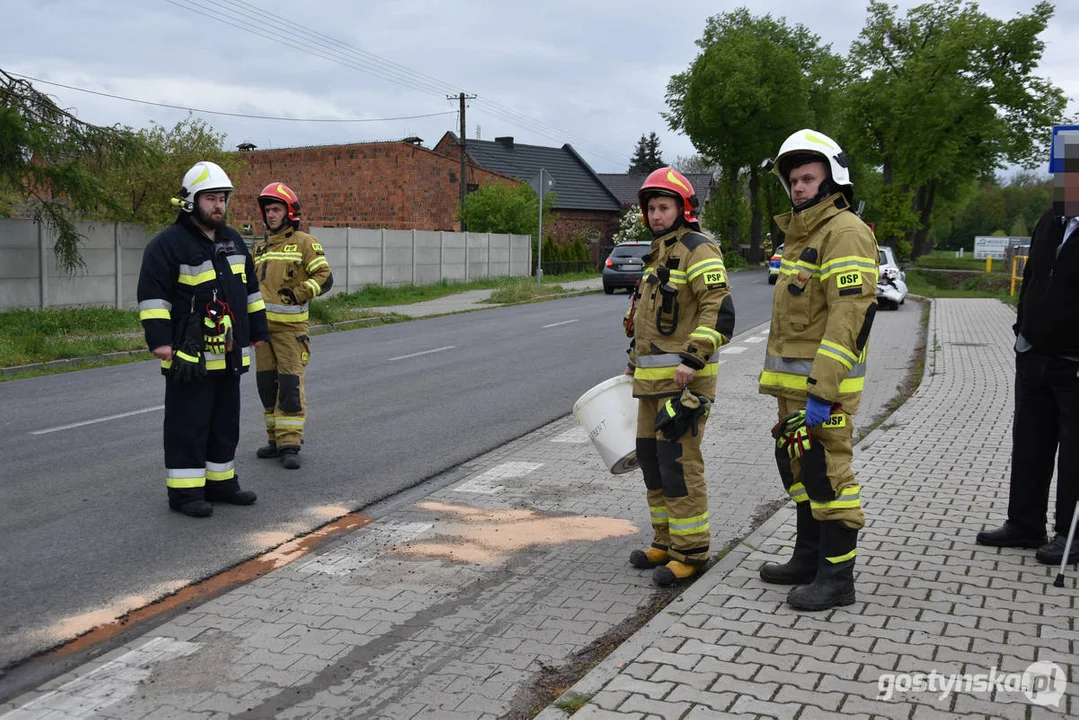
x=624, y=266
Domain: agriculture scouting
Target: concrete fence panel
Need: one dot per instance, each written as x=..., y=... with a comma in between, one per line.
x=30, y=278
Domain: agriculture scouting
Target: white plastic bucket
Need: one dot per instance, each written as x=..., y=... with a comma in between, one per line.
x=608, y=413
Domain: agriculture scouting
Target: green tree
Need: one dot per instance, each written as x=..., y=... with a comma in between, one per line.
x=51, y=163
x=647, y=156
x=755, y=81
x=943, y=97
x=506, y=208
x=695, y=164
x=142, y=189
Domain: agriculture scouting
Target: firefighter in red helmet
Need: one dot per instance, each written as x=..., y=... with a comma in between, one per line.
x=684, y=314
x=292, y=269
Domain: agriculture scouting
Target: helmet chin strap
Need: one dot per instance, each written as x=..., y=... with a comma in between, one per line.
x=678, y=222
x=826, y=189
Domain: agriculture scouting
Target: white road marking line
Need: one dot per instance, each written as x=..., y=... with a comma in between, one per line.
x=106, y=685
x=754, y=339
x=764, y=331
x=573, y=435
x=58, y=428
x=564, y=322
x=485, y=483
x=733, y=350
x=424, y=352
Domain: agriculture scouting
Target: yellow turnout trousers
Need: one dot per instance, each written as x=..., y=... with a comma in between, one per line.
x=280, y=366
x=677, y=494
x=823, y=476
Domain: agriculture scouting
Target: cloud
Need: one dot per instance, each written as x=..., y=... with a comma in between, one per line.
x=591, y=74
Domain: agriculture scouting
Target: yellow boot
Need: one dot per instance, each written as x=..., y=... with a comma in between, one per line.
x=674, y=572
x=650, y=558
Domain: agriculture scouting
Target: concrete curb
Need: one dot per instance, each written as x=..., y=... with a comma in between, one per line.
x=610, y=666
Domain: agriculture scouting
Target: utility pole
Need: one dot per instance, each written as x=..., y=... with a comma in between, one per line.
x=464, y=167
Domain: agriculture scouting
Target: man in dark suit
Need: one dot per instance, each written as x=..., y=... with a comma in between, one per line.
x=1046, y=424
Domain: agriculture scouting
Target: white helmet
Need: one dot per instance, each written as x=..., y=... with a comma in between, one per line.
x=811, y=142
x=204, y=176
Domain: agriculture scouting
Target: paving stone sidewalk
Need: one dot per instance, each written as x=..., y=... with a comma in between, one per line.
x=465, y=593
x=929, y=599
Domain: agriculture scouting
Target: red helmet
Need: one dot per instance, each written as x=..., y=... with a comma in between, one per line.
x=670, y=182
x=282, y=193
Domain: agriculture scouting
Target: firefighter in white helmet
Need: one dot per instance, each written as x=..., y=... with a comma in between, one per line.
x=200, y=308
x=822, y=312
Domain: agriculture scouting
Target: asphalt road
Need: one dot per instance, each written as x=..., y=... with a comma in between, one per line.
x=84, y=525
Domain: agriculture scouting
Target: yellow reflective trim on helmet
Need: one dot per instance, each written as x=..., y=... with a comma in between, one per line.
x=204, y=175
x=815, y=138
x=674, y=179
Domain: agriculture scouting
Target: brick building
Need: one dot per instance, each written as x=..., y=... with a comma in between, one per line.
x=585, y=205
x=396, y=185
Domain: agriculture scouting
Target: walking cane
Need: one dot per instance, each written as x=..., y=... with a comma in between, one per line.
x=1059, y=582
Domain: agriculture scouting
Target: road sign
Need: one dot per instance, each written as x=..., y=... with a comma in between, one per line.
x=541, y=183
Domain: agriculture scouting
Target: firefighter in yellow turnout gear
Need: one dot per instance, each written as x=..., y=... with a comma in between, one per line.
x=292, y=269
x=682, y=315
x=822, y=312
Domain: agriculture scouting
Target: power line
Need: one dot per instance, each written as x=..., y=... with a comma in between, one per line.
x=349, y=56
x=230, y=114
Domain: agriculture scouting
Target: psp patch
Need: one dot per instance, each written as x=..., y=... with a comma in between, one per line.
x=849, y=279
x=716, y=277
x=837, y=420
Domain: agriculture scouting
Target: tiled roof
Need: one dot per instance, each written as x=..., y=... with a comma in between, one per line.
x=624, y=186
x=577, y=185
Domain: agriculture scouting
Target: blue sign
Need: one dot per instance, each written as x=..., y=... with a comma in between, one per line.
x=1065, y=145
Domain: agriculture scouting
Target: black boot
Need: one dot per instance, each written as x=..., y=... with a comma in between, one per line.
x=834, y=584
x=193, y=508
x=269, y=450
x=802, y=567
x=290, y=458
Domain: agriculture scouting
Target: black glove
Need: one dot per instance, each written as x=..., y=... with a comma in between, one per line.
x=685, y=413
x=188, y=364
x=287, y=296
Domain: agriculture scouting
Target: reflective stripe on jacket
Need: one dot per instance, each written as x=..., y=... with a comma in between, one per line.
x=684, y=314
x=181, y=271
x=823, y=306
x=292, y=260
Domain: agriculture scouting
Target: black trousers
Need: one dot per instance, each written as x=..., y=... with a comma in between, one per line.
x=202, y=429
x=1045, y=428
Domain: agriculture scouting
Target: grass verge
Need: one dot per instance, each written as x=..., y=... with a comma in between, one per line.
x=40, y=336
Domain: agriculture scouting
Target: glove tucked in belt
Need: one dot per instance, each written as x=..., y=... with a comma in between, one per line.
x=188, y=364
x=680, y=414
x=792, y=435
x=218, y=325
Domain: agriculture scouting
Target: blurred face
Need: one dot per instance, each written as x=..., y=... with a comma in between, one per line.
x=275, y=216
x=663, y=211
x=1066, y=190
x=805, y=181
x=211, y=208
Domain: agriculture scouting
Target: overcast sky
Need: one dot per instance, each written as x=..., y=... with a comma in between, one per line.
x=592, y=73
